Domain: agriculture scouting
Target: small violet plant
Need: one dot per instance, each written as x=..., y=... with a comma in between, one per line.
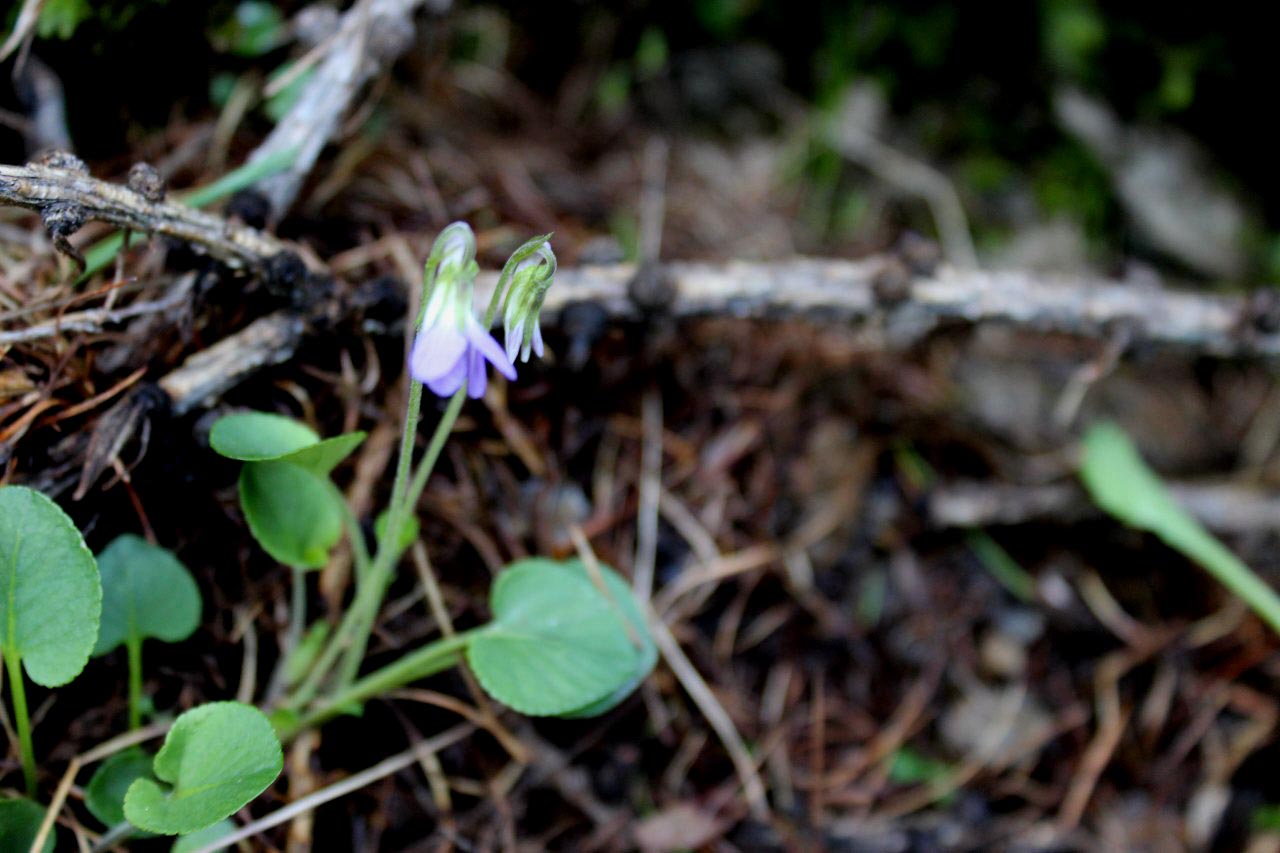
x=564, y=638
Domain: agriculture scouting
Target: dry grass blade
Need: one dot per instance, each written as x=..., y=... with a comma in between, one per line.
x=694, y=684
x=314, y=800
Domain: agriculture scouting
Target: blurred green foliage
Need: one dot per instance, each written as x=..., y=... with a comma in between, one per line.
x=969, y=88
x=61, y=18
x=255, y=27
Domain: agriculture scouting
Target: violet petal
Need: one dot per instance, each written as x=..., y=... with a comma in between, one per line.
x=435, y=352
x=448, y=384
x=537, y=340
x=480, y=338
x=477, y=377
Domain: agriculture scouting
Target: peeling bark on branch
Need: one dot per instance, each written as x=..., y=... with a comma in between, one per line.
x=43, y=189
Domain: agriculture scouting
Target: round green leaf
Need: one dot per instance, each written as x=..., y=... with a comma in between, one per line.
x=259, y=436
x=50, y=596
x=557, y=645
x=146, y=592
x=644, y=662
x=325, y=456
x=292, y=512
x=104, y=795
x=202, y=838
x=19, y=824
x=217, y=757
x=264, y=437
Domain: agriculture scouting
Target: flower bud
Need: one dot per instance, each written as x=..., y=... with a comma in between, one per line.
x=532, y=270
x=448, y=279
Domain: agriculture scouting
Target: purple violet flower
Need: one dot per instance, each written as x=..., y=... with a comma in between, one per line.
x=454, y=350
x=452, y=346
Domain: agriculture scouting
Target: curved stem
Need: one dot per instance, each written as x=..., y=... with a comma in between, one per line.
x=13, y=663
x=428, y=660
x=133, y=648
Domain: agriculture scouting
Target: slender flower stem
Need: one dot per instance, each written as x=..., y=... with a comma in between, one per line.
x=388, y=549
x=359, y=548
x=352, y=635
x=413, y=411
x=14, y=664
x=133, y=648
x=297, y=613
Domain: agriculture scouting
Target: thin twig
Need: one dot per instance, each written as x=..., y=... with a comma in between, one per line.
x=95, y=319
x=22, y=28
x=208, y=374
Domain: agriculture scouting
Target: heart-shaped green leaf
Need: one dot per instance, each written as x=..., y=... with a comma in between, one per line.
x=295, y=514
x=104, y=795
x=50, y=596
x=264, y=437
x=20, y=824
x=558, y=644
x=217, y=757
x=146, y=592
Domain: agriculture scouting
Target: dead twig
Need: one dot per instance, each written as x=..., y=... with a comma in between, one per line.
x=694, y=684
x=95, y=320
x=64, y=191
x=371, y=35
x=208, y=374
x=834, y=290
x=1225, y=507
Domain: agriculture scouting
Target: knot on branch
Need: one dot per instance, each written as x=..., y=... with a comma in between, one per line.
x=62, y=219
x=147, y=182
x=63, y=161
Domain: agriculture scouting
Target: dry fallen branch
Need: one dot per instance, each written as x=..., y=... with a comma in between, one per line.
x=208, y=374
x=825, y=290
x=371, y=34
x=1221, y=506
x=67, y=195
x=876, y=291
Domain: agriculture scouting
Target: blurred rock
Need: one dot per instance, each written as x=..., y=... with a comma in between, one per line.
x=1058, y=245
x=1161, y=178
x=996, y=725
x=679, y=827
